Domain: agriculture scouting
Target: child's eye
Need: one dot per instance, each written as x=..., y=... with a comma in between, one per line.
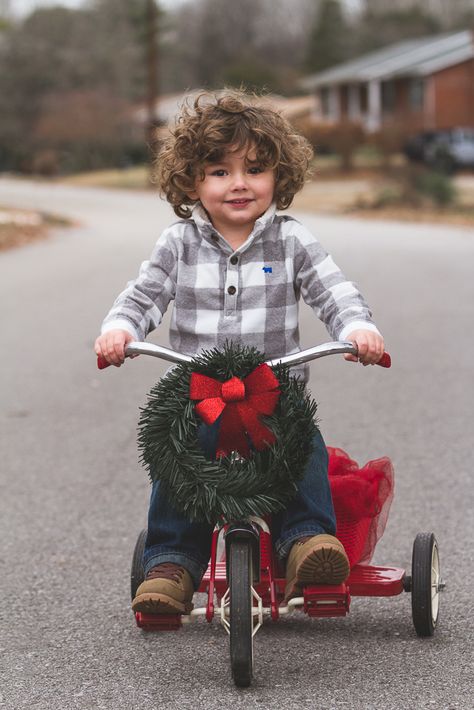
x=255, y=170
x=218, y=172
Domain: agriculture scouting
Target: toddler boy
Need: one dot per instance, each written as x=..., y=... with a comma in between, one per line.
x=236, y=271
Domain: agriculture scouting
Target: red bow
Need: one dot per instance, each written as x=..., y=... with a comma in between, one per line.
x=240, y=402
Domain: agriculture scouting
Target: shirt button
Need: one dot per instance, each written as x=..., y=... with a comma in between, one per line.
x=214, y=237
x=234, y=259
x=231, y=290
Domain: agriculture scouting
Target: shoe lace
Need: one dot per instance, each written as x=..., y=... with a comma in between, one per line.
x=166, y=570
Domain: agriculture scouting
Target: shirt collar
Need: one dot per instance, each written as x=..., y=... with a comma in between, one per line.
x=205, y=226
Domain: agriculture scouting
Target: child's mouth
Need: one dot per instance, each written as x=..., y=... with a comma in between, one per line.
x=239, y=203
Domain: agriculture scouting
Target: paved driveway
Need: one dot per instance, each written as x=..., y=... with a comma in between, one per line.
x=73, y=496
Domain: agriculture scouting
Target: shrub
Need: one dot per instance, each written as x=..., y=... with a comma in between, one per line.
x=318, y=134
x=342, y=138
x=346, y=137
x=414, y=186
x=436, y=186
x=389, y=141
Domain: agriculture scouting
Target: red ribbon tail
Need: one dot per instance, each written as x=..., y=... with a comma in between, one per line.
x=260, y=435
x=265, y=402
x=232, y=434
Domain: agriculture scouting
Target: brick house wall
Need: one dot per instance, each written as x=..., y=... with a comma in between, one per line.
x=454, y=96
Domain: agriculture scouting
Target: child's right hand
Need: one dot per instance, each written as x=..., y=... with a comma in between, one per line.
x=111, y=346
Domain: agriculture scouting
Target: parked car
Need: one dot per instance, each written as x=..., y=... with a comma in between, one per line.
x=447, y=150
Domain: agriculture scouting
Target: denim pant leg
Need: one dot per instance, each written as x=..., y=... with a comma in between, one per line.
x=171, y=536
x=311, y=512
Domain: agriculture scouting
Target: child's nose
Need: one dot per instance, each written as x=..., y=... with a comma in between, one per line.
x=239, y=181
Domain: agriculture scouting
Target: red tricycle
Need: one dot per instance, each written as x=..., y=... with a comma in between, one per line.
x=245, y=582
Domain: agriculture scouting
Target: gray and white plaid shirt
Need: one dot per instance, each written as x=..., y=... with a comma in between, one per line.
x=249, y=296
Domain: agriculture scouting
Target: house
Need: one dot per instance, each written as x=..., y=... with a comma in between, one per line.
x=420, y=84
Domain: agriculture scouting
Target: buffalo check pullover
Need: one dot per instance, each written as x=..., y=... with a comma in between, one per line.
x=249, y=296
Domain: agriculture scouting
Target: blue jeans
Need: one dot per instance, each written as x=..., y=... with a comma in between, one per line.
x=173, y=538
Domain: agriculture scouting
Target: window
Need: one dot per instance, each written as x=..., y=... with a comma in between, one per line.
x=324, y=96
x=388, y=96
x=416, y=94
x=364, y=99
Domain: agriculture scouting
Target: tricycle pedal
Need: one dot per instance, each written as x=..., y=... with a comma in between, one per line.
x=327, y=600
x=158, y=622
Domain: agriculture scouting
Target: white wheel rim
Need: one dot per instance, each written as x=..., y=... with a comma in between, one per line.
x=435, y=581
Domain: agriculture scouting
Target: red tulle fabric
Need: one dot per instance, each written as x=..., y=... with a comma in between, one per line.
x=362, y=499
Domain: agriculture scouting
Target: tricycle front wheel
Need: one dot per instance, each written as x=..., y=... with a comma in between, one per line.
x=241, y=621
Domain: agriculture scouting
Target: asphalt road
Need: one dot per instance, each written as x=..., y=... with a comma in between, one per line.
x=73, y=496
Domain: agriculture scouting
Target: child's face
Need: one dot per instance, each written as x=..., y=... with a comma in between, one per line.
x=235, y=191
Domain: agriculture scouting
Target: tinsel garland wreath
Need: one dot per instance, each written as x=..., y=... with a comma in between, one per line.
x=231, y=486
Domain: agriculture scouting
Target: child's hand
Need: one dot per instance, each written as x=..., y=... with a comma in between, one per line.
x=111, y=346
x=370, y=346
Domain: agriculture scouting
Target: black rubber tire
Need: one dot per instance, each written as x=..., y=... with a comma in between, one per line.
x=425, y=617
x=137, y=574
x=241, y=622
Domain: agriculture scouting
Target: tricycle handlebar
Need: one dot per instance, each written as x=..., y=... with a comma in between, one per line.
x=334, y=348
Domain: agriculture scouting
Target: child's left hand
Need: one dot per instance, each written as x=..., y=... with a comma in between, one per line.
x=370, y=346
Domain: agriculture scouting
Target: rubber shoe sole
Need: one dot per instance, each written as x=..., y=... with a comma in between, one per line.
x=325, y=563
x=160, y=604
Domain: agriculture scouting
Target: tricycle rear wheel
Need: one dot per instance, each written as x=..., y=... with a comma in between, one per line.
x=425, y=584
x=241, y=621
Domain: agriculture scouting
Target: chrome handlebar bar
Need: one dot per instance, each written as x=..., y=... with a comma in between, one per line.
x=334, y=348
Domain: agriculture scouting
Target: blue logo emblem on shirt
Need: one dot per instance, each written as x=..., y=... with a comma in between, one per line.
x=267, y=269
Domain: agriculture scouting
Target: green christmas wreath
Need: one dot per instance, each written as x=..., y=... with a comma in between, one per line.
x=260, y=457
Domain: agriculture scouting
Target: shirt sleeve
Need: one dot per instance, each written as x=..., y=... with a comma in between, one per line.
x=140, y=307
x=335, y=300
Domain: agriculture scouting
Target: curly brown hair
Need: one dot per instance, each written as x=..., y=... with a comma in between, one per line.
x=208, y=126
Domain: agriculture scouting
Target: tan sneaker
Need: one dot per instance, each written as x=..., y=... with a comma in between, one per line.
x=167, y=589
x=315, y=560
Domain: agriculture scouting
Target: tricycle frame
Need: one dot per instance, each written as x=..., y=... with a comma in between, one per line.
x=268, y=593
